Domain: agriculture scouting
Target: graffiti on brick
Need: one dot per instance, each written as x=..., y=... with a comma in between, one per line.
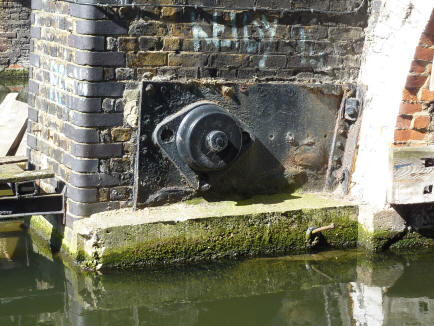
x=266, y=32
x=57, y=81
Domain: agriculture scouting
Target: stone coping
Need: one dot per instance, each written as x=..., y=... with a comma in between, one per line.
x=199, y=208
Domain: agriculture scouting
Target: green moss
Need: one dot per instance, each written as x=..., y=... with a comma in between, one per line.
x=48, y=229
x=265, y=234
x=41, y=244
x=382, y=239
x=413, y=240
x=194, y=201
x=376, y=241
x=261, y=226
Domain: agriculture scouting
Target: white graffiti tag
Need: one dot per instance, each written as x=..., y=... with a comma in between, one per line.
x=266, y=32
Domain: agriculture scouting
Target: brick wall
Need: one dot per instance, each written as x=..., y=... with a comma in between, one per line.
x=413, y=126
x=206, y=43
x=14, y=35
x=86, y=64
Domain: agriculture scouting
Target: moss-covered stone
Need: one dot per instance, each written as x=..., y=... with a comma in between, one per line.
x=378, y=240
x=199, y=231
x=229, y=237
x=56, y=236
x=381, y=240
x=414, y=240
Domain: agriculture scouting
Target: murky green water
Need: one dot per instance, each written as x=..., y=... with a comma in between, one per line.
x=331, y=288
x=14, y=85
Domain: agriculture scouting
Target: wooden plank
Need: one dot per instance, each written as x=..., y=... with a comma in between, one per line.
x=412, y=175
x=8, y=174
x=17, y=141
x=13, y=114
x=12, y=159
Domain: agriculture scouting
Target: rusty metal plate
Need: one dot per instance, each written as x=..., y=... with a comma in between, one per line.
x=292, y=126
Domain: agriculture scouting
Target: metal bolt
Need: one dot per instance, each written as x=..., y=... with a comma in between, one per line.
x=149, y=89
x=217, y=140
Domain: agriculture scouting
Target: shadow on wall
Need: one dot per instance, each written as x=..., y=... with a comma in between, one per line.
x=418, y=216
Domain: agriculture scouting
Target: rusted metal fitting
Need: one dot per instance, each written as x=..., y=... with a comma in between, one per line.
x=313, y=230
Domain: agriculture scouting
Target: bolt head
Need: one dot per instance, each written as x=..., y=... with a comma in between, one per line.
x=217, y=141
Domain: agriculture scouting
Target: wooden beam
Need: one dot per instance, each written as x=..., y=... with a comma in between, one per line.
x=17, y=141
x=11, y=174
x=12, y=159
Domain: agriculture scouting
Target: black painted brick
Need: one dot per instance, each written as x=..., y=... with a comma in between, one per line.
x=85, y=73
x=93, y=180
x=96, y=150
x=32, y=114
x=83, y=104
x=99, y=89
x=96, y=119
x=99, y=58
x=31, y=100
x=34, y=59
x=86, y=12
x=102, y=27
x=86, y=42
x=87, y=209
x=36, y=4
x=33, y=87
x=71, y=219
x=82, y=195
x=35, y=32
x=32, y=142
x=80, y=165
x=80, y=135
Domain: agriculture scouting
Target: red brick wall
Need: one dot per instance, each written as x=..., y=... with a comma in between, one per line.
x=413, y=126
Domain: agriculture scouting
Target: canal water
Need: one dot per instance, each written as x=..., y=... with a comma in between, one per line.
x=328, y=288
x=14, y=86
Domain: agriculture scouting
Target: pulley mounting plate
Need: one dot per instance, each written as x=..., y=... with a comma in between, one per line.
x=292, y=126
x=202, y=137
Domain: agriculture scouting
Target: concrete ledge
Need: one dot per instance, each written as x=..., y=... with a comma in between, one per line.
x=395, y=228
x=203, y=231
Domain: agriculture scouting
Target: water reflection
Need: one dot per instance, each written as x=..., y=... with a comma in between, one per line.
x=332, y=288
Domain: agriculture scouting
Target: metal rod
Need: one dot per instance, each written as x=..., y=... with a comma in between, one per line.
x=324, y=228
x=328, y=179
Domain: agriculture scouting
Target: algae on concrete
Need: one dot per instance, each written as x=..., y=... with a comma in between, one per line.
x=199, y=231
x=381, y=240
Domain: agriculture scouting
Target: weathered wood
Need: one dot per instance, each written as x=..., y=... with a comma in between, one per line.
x=13, y=115
x=412, y=175
x=10, y=173
x=12, y=159
x=17, y=141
